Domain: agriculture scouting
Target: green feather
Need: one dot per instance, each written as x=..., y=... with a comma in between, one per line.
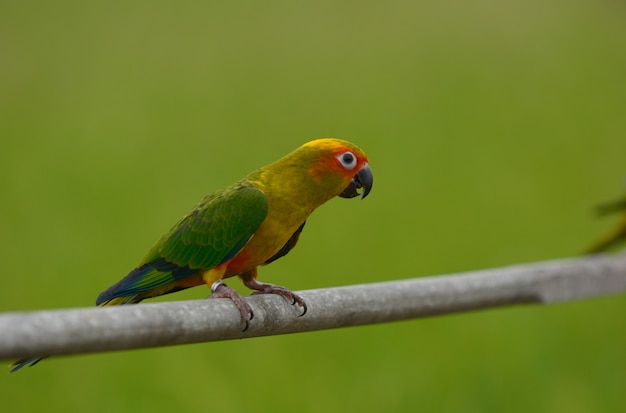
x=216, y=229
x=211, y=234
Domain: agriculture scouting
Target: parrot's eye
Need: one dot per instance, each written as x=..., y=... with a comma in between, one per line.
x=347, y=160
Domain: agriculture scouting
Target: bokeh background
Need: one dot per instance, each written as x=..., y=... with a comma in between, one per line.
x=493, y=129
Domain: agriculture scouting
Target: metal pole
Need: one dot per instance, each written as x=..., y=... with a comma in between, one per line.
x=85, y=330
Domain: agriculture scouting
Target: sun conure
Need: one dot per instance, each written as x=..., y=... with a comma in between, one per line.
x=618, y=234
x=252, y=222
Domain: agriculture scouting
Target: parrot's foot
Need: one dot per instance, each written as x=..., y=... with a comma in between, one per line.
x=262, y=288
x=221, y=290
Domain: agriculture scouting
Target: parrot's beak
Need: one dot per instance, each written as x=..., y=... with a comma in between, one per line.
x=363, y=179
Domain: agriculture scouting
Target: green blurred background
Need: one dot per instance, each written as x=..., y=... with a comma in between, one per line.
x=493, y=128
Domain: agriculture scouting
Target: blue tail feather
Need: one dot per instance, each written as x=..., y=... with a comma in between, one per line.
x=30, y=362
x=144, y=278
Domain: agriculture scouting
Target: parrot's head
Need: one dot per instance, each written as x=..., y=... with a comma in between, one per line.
x=338, y=168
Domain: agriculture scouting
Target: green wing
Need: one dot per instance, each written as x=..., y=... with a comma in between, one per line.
x=214, y=232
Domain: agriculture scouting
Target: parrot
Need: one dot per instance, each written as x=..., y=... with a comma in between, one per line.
x=618, y=234
x=251, y=223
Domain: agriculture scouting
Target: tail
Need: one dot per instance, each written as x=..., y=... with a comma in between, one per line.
x=30, y=362
x=155, y=278
x=149, y=280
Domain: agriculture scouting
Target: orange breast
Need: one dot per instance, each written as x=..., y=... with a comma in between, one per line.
x=271, y=236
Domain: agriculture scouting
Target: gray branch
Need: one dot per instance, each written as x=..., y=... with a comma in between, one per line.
x=86, y=330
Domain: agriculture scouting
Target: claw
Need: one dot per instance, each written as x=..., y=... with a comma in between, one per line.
x=262, y=288
x=221, y=290
x=304, y=309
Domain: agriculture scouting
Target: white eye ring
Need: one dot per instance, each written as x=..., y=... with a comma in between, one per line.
x=347, y=160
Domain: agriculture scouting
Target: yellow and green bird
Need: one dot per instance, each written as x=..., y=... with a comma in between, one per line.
x=618, y=234
x=252, y=222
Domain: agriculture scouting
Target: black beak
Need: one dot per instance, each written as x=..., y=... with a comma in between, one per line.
x=363, y=179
